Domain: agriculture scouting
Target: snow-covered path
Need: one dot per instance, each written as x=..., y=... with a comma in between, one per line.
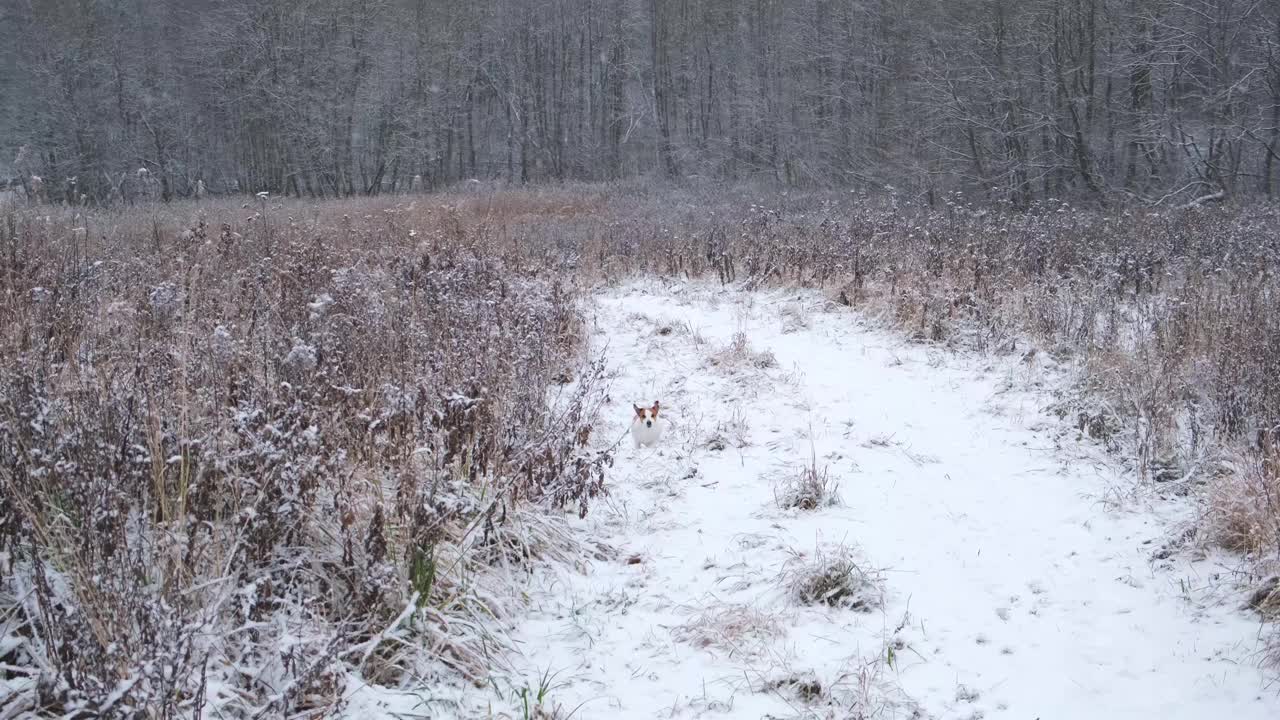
x=1011, y=590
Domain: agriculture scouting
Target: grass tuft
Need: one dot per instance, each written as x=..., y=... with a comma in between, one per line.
x=835, y=579
x=807, y=488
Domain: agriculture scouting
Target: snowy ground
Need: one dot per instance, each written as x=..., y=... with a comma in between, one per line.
x=1016, y=569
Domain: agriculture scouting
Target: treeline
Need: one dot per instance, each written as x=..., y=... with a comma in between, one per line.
x=1017, y=101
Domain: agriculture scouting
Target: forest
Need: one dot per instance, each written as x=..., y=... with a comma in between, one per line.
x=1105, y=102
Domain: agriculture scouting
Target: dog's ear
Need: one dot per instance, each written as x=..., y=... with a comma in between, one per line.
x=655, y=408
x=639, y=410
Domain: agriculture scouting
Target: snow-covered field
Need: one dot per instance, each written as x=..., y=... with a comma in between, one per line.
x=1004, y=569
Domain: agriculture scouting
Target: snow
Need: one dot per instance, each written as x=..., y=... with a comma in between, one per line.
x=1016, y=566
x=320, y=305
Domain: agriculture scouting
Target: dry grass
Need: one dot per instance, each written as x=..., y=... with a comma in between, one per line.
x=882, y=440
x=738, y=631
x=233, y=396
x=249, y=456
x=793, y=317
x=805, y=687
x=734, y=432
x=1245, y=509
x=1266, y=598
x=739, y=353
x=833, y=577
x=808, y=487
x=867, y=689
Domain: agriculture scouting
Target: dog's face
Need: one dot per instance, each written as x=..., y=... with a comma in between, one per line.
x=646, y=416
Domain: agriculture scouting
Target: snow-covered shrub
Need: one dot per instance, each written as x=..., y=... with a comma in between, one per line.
x=738, y=353
x=1245, y=510
x=308, y=458
x=834, y=578
x=807, y=487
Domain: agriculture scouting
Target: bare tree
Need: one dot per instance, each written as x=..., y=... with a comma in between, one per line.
x=1017, y=102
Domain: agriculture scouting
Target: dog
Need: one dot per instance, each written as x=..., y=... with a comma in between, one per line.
x=646, y=426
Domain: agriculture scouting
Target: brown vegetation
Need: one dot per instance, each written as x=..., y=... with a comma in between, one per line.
x=288, y=438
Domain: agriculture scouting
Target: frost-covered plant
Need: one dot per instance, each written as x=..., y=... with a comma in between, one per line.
x=1245, y=514
x=738, y=352
x=149, y=388
x=733, y=629
x=239, y=473
x=834, y=578
x=808, y=487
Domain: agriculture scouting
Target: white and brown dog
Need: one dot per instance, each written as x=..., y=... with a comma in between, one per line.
x=646, y=426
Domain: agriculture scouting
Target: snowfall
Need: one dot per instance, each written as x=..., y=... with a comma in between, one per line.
x=1012, y=569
